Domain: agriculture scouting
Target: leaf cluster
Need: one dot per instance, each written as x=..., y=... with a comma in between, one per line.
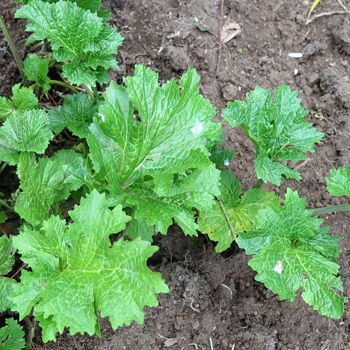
x=147, y=155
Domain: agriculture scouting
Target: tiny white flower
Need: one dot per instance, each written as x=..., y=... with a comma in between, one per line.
x=279, y=266
x=226, y=162
x=197, y=129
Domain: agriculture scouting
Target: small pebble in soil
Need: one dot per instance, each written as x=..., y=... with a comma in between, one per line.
x=230, y=92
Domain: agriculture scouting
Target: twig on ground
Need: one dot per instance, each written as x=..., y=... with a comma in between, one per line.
x=302, y=164
x=224, y=285
x=342, y=5
x=220, y=38
x=191, y=304
x=22, y=267
x=326, y=14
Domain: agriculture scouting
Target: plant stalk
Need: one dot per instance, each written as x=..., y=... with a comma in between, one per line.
x=3, y=166
x=30, y=328
x=60, y=83
x=14, y=51
x=228, y=219
x=331, y=209
x=4, y=204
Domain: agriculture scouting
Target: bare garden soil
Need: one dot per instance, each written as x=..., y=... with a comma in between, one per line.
x=214, y=301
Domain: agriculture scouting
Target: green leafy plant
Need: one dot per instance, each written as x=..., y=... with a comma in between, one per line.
x=146, y=155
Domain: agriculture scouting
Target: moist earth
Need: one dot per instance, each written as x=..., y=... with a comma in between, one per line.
x=214, y=301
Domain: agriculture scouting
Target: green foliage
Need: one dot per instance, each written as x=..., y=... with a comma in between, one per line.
x=27, y=131
x=76, y=272
x=339, y=182
x=43, y=184
x=219, y=156
x=23, y=99
x=150, y=155
x=12, y=336
x=277, y=129
x=292, y=251
x=7, y=252
x=36, y=69
x=76, y=114
x=233, y=214
x=77, y=36
x=166, y=146
x=92, y=5
x=3, y=217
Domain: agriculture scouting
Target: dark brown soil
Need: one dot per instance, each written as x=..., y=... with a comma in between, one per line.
x=214, y=301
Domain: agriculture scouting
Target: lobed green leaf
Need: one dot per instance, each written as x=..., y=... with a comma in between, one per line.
x=12, y=336
x=77, y=36
x=43, y=184
x=24, y=132
x=277, y=129
x=233, y=215
x=339, y=182
x=23, y=99
x=76, y=114
x=36, y=69
x=291, y=252
x=78, y=273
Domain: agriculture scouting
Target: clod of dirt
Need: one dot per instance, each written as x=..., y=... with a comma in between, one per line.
x=339, y=84
x=312, y=79
x=312, y=49
x=178, y=57
x=230, y=92
x=341, y=36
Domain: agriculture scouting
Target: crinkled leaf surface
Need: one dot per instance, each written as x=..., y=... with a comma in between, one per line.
x=21, y=132
x=241, y=211
x=92, y=5
x=139, y=228
x=167, y=137
x=36, y=69
x=7, y=260
x=23, y=99
x=219, y=156
x=79, y=272
x=43, y=184
x=6, y=290
x=193, y=191
x=339, y=182
x=291, y=252
x=12, y=336
x=76, y=114
x=77, y=36
x=277, y=129
x=7, y=255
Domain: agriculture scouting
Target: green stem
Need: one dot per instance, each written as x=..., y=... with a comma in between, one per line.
x=95, y=92
x=61, y=83
x=30, y=335
x=259, y=183
x=4, y=204
x=3, y=166
x=331, y=209
x=14, y=51
x=88, y=90
x=228, y=219
x=57, y=82
x=34, y=47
